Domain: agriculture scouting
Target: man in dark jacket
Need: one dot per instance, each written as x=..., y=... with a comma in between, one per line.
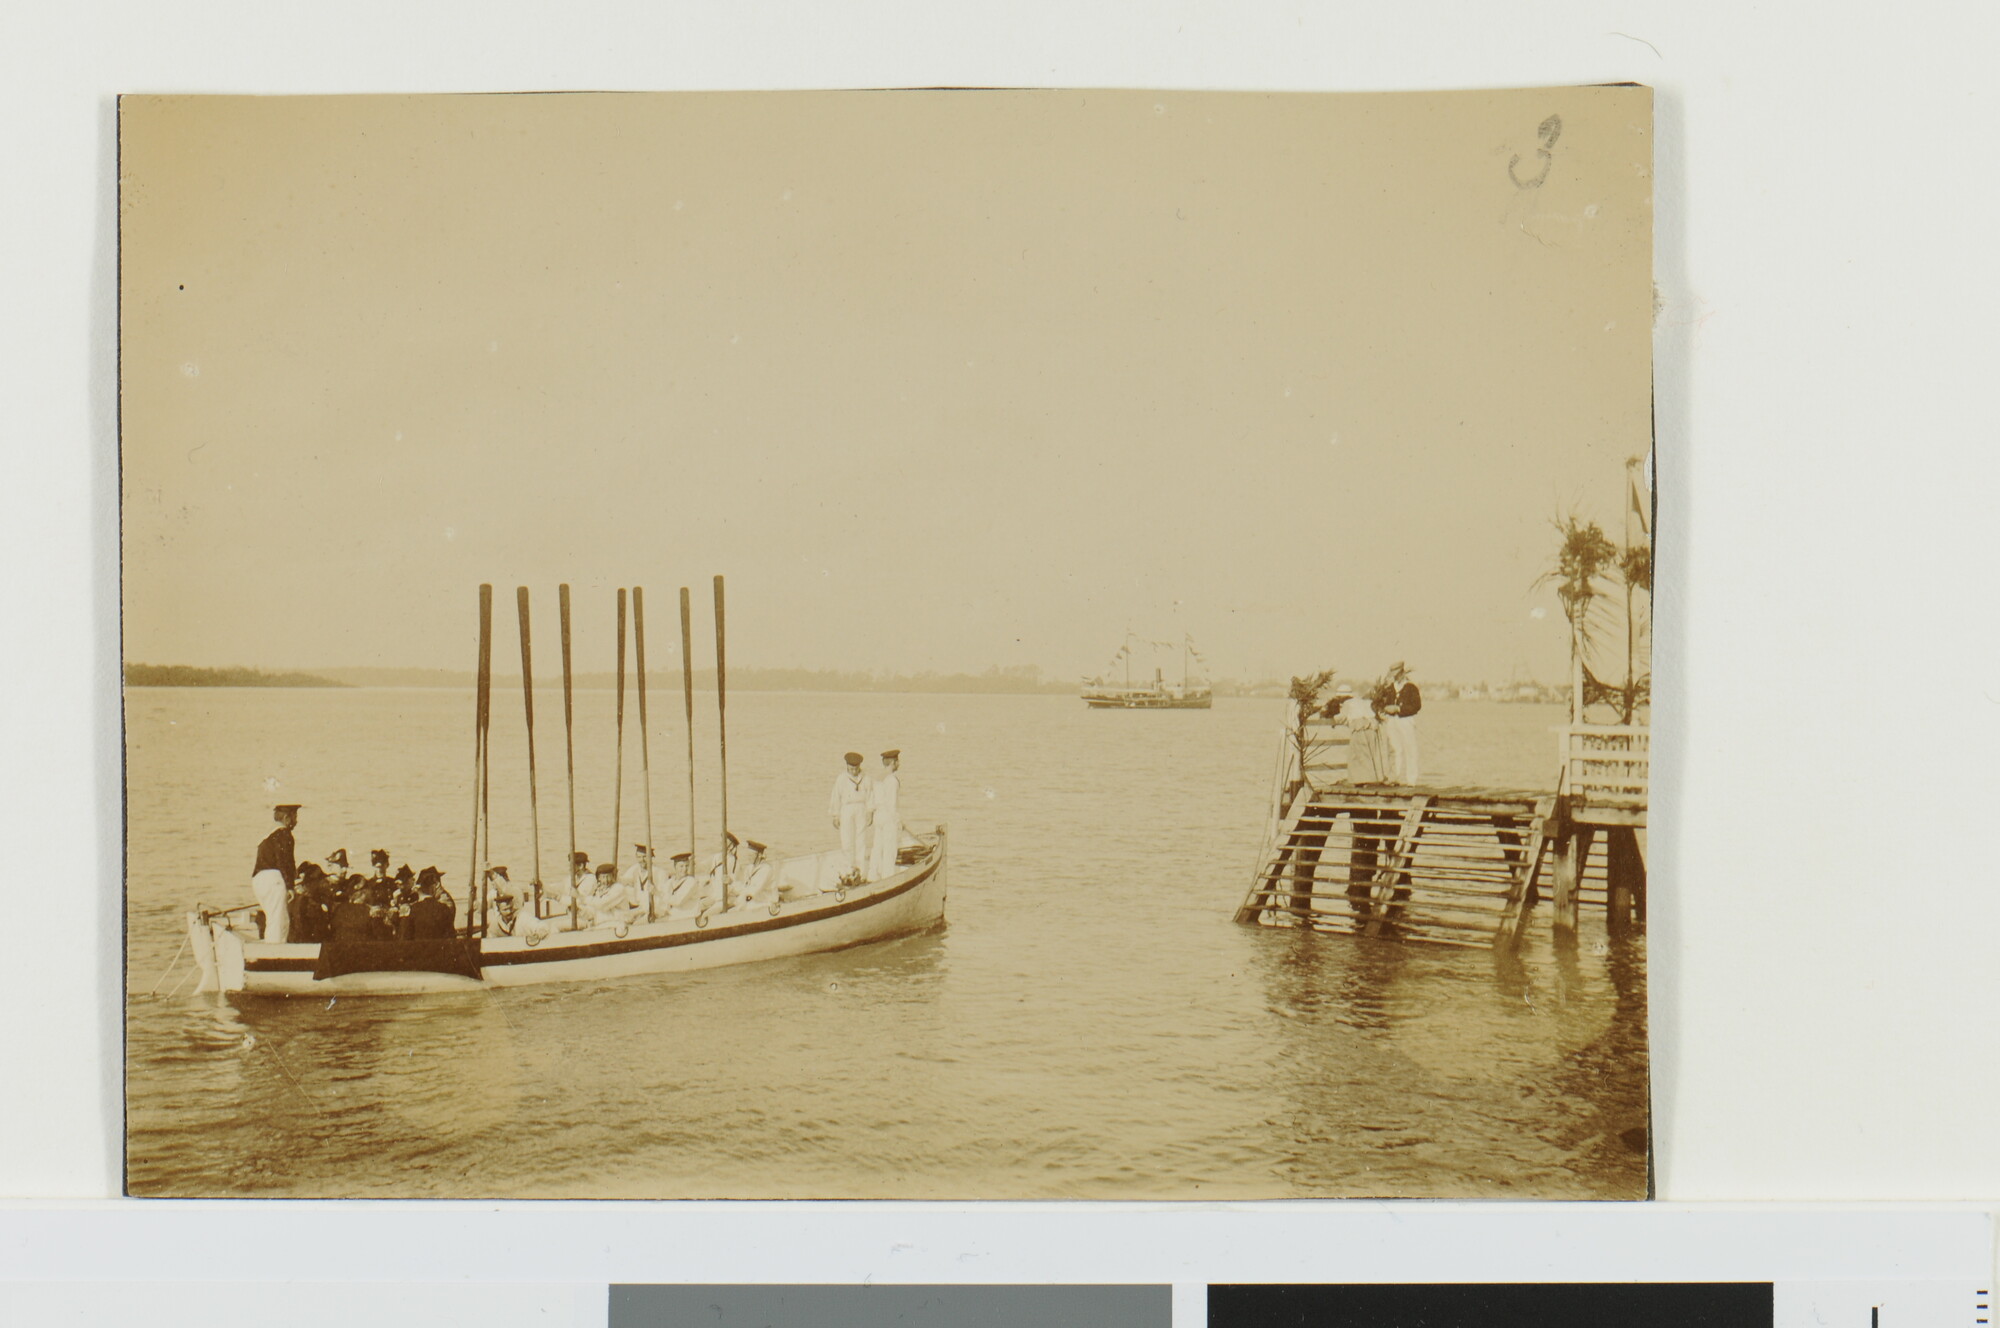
x=1400, y=723
x=354, y=920
x=271, y=879
x=430, y=918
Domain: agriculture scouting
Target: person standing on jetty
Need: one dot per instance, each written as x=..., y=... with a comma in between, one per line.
x=1399, y=722
x=271, y=879
x=849, y=810
x=1364, y=747
x=887, y=819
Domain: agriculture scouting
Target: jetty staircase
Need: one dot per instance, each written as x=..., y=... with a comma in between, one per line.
x=1453, y=866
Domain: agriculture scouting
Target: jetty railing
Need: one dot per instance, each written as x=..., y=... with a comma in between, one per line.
x=1607, y=766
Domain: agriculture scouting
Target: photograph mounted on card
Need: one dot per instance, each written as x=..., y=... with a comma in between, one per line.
x=899, y=644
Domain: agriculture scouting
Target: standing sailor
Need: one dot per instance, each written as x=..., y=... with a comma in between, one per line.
x=1399, y=725
x=888, y=821
x=849, y=809
x=272, y=877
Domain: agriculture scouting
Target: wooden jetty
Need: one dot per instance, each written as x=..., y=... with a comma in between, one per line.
x=1453, y=866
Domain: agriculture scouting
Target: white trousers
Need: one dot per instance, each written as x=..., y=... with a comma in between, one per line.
x=269, y=887
x=1402, y=731
x=888, y=839
x=854, y=837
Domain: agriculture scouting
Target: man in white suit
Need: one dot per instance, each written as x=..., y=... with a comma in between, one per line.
x=849, y=809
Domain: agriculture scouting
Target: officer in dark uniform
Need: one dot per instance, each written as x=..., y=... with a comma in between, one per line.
x=272, y=878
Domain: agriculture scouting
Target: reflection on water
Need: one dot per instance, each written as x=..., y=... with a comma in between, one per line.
x=1090, y=1023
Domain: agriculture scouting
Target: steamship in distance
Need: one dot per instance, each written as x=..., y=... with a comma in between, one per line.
x=1192, y=692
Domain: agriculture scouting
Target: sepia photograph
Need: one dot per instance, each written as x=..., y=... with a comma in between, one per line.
x=951, y=644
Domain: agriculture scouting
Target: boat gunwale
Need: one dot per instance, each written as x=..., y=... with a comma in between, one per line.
x=542, y=954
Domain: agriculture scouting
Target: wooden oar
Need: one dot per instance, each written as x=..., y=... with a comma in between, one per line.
x=618, y=780
x=528, y=705
x=687, y=695
x=569, y=746
x=722, y=733
x=645, y=746
x=483, y=704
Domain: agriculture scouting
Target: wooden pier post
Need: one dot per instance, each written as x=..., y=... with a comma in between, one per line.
x=1572, y=852
x=1625, y=880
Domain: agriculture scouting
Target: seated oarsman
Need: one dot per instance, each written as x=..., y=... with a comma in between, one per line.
x=430, y=918
x=688, y=893
x=562, y=894
x=506, y=914
x=759, y=887
x=610, y=903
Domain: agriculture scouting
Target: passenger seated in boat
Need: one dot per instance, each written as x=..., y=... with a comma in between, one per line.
x=639, y=875
x=610, y=903
x=430, y=918
x=693, y=894
x=378, y=867
x=336, y=865
x=760, y=882
x=357, y=920
x=308, y=906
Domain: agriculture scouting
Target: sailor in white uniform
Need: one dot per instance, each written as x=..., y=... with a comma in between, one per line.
x=760, y=882
x=887, y=819
x=849, y=809
x=684, y=894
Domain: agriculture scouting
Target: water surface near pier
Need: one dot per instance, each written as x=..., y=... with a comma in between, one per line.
x=1090, y=1024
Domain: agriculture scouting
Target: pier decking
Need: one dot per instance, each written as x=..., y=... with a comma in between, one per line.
x=1453, y=866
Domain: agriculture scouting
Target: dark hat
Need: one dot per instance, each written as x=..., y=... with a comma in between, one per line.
x=682, y=857
x=339, y=855
x=730, y=835
x=606, y=869
x=429, y=876
x=378, y=855
x=404, y=874
x=578, y=858
x=311, y=871
x=893, y=754
x=642, y=848
x=854, y=758
x=754, y=846
x=283, y=807
x=501, y=872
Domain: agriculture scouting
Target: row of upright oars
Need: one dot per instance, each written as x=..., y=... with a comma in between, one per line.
x=479, y=903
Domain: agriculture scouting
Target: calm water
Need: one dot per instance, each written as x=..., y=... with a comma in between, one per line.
x=1090, y=1024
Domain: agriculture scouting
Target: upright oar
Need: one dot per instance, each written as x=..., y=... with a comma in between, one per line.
x=687, y=695
x=618, y=780
x=645, y=746
x=722, y=732
x=528, y=705
x=569, y=743
x=483, y=712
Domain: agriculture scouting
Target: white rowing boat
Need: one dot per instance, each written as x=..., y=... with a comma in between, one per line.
x=815, y=915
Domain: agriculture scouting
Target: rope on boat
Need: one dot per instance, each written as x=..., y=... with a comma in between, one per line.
x=170, y=968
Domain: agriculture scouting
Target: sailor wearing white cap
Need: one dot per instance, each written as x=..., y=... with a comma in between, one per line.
x=849, y=810
x=272, y=877
x=887, y=819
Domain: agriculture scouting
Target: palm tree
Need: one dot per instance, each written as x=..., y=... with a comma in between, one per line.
x=1583, y=555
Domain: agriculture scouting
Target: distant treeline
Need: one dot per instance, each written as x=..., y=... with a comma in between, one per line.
x=183, y=675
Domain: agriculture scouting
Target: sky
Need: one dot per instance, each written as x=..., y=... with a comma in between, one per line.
x=936, y=380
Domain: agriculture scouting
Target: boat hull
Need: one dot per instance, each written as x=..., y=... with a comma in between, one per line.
x=909, y=902
x=1149, y=701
